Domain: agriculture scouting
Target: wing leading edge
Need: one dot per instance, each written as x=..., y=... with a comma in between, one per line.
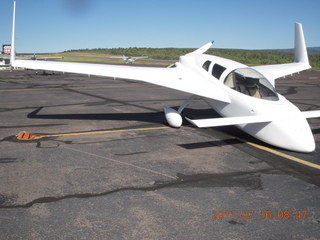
x=311, y=114
x=178, y=78
x=226, y=121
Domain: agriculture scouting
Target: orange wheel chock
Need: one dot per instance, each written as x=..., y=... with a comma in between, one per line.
x=24, y=135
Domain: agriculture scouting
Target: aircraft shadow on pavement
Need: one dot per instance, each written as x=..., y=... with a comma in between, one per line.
x=158, y=118
x=316, y=131
x=230, y=134
x=152, y=117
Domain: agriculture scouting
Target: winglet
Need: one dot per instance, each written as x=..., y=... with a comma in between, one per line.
x=13, y=53
x=203, y=49
x=300, y=49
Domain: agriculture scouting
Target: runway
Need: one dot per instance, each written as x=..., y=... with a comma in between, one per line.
x=105, y=165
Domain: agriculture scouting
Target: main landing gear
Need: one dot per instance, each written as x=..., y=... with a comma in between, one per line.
x=173, y=116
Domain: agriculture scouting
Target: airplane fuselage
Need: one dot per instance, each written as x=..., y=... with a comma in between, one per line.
x=288, y=129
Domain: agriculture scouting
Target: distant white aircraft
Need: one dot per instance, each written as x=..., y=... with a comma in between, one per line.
x=130, y=60
x=244, y=96
x=34, y=57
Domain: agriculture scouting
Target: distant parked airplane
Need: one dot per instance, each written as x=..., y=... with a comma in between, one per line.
x=244, y=96
x=130, y=60
x=34, y=57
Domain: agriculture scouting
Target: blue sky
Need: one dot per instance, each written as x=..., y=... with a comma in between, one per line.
x=58, y=25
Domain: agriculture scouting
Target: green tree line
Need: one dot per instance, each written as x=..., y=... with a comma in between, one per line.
x=248, y=57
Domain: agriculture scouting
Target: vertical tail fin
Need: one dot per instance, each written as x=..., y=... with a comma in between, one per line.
x=13, y=53
x=300, y=49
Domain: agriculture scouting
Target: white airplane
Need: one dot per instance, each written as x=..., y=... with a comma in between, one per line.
x=34, y=57
x=244, y=96
x=130, y=60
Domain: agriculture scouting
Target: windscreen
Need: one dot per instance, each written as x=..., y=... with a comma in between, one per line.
x=250, y=82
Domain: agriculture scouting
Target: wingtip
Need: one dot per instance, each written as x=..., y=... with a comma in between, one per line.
x=202, y=49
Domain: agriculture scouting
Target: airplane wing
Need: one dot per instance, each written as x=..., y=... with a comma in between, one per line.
x=118, y=57
x=311, y=114
x=226, y=121
x=39, y=58
x=301, y=61
x=178, y=78
x=139, y=57
x=281, y=70
x=128, y=57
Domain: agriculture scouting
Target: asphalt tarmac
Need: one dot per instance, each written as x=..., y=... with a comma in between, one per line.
x=107, y=166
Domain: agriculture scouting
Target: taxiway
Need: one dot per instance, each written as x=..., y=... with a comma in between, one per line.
x=107, y=166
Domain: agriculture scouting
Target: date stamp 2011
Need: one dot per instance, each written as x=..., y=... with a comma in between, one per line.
x=263, y=214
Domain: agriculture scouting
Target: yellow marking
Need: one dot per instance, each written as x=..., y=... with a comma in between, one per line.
x=34, y=136
x=292, y=158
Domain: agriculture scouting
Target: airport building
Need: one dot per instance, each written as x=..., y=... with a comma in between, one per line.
x=5, y=56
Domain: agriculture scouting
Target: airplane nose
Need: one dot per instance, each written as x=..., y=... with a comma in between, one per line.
x=288, y=131
x=305, y=145
x=301, y=138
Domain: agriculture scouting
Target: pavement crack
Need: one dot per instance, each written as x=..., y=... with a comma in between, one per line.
x=129, y=154
x=7, y=160
x=249, y=180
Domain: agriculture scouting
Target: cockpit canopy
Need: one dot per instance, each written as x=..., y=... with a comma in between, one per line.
x=250, y=82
